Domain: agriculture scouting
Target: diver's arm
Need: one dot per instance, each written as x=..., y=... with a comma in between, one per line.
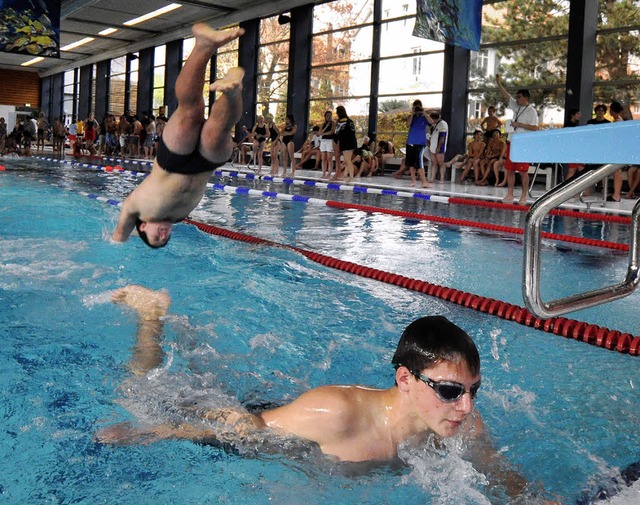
x=126, y=223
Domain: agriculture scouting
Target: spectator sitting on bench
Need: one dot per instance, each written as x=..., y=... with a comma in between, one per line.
x=386, y=150
x=475, y=151
x=364, y=160
x=310, y=148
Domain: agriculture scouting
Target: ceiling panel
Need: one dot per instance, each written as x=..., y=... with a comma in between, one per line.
x=85, y=18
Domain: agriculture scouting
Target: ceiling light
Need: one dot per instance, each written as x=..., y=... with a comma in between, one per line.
x=108, y=31
x=158, y=12
x=78, y=43
x=31, y=62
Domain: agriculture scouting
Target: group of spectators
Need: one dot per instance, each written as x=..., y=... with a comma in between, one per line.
x=128, y=136
x=333, y=144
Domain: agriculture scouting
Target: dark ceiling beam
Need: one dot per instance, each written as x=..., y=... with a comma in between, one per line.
x=69, y=7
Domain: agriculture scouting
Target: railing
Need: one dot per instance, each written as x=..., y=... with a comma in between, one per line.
x=617, y=143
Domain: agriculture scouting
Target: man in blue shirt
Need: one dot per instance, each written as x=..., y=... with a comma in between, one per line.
x=416, y=142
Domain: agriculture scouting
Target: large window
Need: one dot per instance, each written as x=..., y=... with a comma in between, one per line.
x=159, y=61
x=617, y=74
x=410, y=68
x=341, y=60
x=70, y=96
x=117, y=81
x=133, y=81
x=273, y=68
x=526, y=42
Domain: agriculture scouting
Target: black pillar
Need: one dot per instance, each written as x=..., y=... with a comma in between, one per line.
x=581, y=62
x=145, y=81
x=85, y=92
x=46, y=84
x=248, y=59
x=298, y=92
x=173, y=65
x=103, y=72
x=375, y=70
x=57, y=97
x=454, y=97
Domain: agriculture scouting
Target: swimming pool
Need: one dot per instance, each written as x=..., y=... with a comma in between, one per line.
x=262, y=324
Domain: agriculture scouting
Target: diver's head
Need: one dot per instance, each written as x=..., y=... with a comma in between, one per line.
x=155, y=234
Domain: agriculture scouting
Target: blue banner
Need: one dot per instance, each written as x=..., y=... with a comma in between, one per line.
x=456, y=22
x=30, y=27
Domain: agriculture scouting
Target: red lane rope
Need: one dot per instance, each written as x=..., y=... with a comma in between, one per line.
x=475, y=224
x=569, y=328
x=556, y=212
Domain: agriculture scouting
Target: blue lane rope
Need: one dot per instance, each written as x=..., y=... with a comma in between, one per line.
x=331, y=186
x=236, y=174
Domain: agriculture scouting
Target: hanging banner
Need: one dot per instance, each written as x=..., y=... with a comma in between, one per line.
x=456, y=22
x=30, y=27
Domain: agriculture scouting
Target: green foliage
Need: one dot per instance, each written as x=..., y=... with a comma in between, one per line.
x=541, y=66
x=392, y=105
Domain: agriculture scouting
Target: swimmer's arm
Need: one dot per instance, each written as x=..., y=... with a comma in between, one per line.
x=126, y=223
x=497, y=468
x=230, y=424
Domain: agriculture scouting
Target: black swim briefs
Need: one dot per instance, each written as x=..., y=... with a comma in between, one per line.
x=187, y=164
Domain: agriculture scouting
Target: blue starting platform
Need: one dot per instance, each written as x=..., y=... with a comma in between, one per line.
x=615, y=143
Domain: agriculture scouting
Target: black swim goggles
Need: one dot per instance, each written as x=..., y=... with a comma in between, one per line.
x=447, y=391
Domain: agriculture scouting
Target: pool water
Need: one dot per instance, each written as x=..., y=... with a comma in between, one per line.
x=261, y=324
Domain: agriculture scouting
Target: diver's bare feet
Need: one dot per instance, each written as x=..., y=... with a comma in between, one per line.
x=230, y=83
x=207, y=37
x=150, y=305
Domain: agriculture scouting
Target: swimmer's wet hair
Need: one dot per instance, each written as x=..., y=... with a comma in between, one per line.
x=430, y=340
x=145, y=239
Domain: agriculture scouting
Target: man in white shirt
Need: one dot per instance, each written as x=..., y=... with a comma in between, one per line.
x=525, y=118
x=438, y=136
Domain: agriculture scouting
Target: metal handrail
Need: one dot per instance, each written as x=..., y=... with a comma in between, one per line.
x=532, y=261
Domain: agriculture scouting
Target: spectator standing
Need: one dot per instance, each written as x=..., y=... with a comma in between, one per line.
x=437, y=144
x=525, y=118
x=416, y=143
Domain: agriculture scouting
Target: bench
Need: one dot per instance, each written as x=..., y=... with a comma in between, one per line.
x=535, y=170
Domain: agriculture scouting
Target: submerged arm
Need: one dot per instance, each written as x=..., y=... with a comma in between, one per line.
x=126, y=223
x=498, y=469
x=230, y=426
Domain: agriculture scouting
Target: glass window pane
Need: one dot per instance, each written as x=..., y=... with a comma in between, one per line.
x=618, y=13
x=346, y=45
x=421, y=73
x=396, y=39
x=69, y=77
x=341, y=81
x=158, y=99
x=397, y=8
x=393, y=112
x=158, y=77
x=617, y=56
x=118, y=65
x=511, y=20
x=226, y=61
x=159, y=56
x=274, y=57
x=341, y=14
x=627, y=95
x=521, y=69
x=187, y=47
x=272, y=31
x=272, y=87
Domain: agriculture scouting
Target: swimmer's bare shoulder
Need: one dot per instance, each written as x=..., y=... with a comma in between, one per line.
x=323, y=415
